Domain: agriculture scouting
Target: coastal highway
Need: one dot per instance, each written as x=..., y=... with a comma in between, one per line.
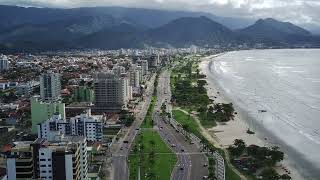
x=191, y=162
x=121, y=149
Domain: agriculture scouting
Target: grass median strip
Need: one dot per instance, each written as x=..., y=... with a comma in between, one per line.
x=148, y=121
x=152, y=156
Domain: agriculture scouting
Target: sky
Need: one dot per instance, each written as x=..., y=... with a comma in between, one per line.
x=295, y=11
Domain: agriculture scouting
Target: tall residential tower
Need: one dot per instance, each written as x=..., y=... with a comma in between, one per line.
x=50, y=86
x=109, y=92
x=4, y=63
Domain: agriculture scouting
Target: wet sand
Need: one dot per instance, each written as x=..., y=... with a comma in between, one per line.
x=226, y=133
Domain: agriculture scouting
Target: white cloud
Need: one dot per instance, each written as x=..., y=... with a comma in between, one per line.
x=296, y=11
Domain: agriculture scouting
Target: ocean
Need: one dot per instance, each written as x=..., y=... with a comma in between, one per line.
x=279, y=90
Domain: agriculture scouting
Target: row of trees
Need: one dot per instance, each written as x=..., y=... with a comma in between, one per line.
x=128, y=120
x=148, y=118
x=254, y=159
x=188, y=89
x=221, y=112
x=211, y=168
x=189, y=92
x=271, y=174
x=146, y=165
x=264, y=155
x=152, y=104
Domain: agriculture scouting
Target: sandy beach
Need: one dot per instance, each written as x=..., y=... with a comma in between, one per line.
x=226, y=133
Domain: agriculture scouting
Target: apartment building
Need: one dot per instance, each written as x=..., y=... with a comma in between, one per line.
x=43, y=110
x=64, y=158
x=50, y=86
x=83, y=125
x=4, y=63
x=109, y=91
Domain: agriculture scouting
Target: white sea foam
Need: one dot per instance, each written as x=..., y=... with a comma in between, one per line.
x=288, y=87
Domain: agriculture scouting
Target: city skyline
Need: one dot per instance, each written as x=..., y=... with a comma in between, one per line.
x=160, y=89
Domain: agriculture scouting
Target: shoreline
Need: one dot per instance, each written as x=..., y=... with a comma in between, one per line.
x=226, y=133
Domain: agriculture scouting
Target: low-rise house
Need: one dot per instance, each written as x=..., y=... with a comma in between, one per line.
x=26, y=89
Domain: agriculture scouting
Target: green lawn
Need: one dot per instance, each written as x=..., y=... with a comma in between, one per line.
x=186, y=121
x=148, y=123
x=163, y=162
x=230, y=174
x=211, y=167
x=206, y=121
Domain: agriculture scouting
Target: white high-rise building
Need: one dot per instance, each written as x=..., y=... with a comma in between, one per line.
x=134, y=76
x=65, y=158
x=18, y=159
x=4, y=63
x=118, y=70
x=88, y=126
x=83, y=125
x=144, y=66
x=127, y=89
x=139, y=69
x=50, y=86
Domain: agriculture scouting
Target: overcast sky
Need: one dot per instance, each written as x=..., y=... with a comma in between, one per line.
x=296, y=11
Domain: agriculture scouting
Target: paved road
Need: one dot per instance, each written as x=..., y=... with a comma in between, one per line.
x=121, y=150
x=190, y=165
x=191, y=161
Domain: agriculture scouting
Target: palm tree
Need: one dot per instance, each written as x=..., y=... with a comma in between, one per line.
x=141, y=147
x=186, y=127
x=198, y=72
x=152, y=142
x=152, y=175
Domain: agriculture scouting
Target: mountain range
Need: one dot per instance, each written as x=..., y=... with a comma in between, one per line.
x=37, y=29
